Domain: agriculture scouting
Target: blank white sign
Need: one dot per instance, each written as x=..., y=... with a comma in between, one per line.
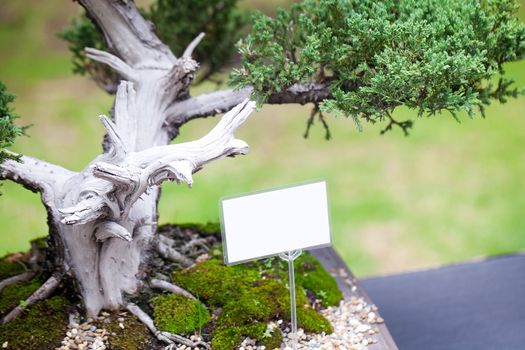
x=267, y=223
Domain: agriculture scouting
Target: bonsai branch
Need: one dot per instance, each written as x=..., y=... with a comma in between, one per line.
x=168, y=338
x=44, y=292
x=191, y=47
x=404, y=125
x=119, y=183
x=34, y=174
x=119, y=66
x=211, y=104
x=317, y=111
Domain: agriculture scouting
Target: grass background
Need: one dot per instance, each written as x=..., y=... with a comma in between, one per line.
x=449, y=192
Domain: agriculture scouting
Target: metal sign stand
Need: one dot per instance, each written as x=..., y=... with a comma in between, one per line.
x=290, y=257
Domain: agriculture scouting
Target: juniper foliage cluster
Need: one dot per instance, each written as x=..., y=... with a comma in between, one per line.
x=8, y=129
x=428, y=55
x=177, y=23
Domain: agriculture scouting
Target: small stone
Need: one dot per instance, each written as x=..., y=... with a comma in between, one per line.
x=121, y=325
x=5, y=344
x=120, y=319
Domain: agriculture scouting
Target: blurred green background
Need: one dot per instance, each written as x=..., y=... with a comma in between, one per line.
x=449, y=192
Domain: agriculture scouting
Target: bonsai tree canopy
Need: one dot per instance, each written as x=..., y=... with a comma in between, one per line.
x=358, y=58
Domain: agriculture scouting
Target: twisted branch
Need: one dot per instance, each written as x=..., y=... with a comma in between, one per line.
x=34, y=174
x=121, y=182
x=210, y=104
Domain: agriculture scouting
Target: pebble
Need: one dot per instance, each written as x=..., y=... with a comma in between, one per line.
x=86, y=336
x=354, y=322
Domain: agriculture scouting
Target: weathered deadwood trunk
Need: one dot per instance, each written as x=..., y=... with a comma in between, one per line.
x=102, y=220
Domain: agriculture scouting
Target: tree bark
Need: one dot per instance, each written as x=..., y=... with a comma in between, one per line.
x=211, y=104
x=103, y=219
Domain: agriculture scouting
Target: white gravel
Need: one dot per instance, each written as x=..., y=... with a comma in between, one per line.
x=86, y=336
x=355, y=325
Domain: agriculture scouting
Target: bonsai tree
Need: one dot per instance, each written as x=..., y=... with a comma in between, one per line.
x=357, y=58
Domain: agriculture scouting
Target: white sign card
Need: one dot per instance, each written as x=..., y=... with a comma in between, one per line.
x=270, y=222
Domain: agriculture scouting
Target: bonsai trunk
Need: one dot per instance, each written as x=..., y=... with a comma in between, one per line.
x=102, y=220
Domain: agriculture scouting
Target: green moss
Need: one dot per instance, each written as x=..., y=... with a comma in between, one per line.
x=15, y=293
x=178, y=314
x=271, y=339
x=227, y=338
x=40, y=242
x=312, y=276
x=251, y=295
x=215, y=283
x=42, y=327
x=134, y=336
x=207, y=228
x=311, y=321
x=8, y=269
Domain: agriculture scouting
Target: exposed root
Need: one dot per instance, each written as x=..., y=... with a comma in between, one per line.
x=23, y=277
x=166, y=337
x=195, y=243
x=170, y=287
x=41, y=293
x=163, y=247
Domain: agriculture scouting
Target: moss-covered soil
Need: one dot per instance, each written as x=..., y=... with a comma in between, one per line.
x=42, y=327
x=232, y=302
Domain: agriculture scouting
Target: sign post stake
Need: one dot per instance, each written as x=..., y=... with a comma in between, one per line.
x=290, y=256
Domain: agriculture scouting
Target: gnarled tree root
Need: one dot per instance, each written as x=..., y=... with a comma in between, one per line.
x=41, y=293
x=170, y=287
x=166, y=337
x=23, y=277
x=163, y=246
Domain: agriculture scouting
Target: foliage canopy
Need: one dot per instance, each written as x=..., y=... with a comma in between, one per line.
x=8, y=129
x=429, y=55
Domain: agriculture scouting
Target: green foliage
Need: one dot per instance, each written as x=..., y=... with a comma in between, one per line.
x=250, y=295
x=42, y=327
x=177, y=22
x=80, y=34
x=15, y=294
x=8, y=129
x=312, y=276
x=428, y=55
x=177, y=314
